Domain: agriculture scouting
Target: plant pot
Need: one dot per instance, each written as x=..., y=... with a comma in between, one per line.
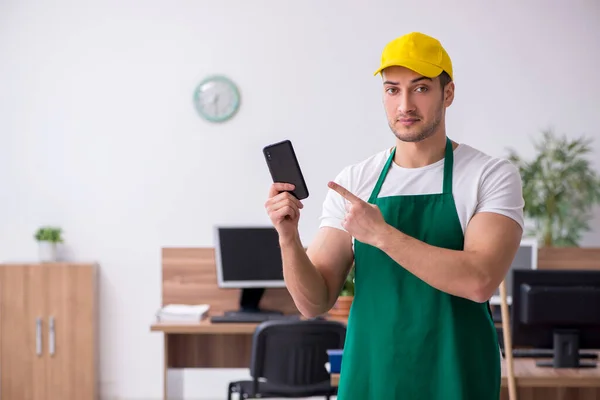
x=341, y=308
x=47, y=251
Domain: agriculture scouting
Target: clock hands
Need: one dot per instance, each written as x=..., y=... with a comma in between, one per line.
x=216, y=98
x=216, y=101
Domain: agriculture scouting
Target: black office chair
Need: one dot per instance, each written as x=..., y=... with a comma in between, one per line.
x=288, y=359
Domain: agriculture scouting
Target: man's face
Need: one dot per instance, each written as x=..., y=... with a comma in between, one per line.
x=414, y=105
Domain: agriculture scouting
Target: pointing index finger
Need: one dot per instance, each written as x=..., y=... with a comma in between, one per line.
x=344, y=193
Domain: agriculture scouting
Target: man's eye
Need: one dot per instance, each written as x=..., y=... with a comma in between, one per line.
x=421, y=89
x=391, y=90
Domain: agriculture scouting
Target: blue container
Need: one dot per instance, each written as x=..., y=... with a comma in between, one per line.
x=335, y=360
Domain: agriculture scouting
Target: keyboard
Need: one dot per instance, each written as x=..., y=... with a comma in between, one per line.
x=250, y=318
x=546, y=353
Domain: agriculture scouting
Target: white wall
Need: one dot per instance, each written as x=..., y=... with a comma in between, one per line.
x=98, y=133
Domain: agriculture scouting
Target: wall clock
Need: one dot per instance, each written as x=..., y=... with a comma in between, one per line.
x=217, y=98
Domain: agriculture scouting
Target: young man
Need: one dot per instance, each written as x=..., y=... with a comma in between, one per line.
x=432, y=227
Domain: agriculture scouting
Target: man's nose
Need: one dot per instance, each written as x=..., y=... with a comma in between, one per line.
x=406, y=105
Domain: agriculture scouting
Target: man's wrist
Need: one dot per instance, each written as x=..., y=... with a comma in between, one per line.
x=389, y=237
x=289, y=239
x=382, y=239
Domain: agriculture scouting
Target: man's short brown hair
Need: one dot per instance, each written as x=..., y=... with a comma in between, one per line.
x=444, y=79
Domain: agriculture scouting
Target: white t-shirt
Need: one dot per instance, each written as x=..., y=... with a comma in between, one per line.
x=480, y=183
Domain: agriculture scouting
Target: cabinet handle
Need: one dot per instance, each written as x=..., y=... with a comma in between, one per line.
x=38, y=336
x=52, y=336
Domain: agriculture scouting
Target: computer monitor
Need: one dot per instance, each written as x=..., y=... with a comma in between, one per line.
x=558, y=310
x=248, y=258
x=525, y=258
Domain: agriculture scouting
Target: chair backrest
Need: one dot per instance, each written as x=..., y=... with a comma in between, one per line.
x=294, y=352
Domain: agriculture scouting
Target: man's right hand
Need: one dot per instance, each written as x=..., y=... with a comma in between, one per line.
x=284, y=210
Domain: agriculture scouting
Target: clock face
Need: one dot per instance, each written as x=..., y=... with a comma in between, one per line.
x=216, y=98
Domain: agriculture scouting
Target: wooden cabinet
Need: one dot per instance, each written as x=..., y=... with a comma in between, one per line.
x=48, y=331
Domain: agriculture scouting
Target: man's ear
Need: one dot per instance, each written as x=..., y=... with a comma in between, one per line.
x=449, y=94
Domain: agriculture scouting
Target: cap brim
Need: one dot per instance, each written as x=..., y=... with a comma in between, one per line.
x=420, y=67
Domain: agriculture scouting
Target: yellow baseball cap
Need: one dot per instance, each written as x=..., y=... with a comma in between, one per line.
x=418, y=52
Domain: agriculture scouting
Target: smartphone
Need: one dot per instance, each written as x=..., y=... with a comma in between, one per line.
x=284, y=167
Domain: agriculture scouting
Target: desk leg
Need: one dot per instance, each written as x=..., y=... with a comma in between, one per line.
x=166, y=367
x=173, y=375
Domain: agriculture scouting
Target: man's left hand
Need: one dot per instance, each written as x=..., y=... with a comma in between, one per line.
x=363, y=220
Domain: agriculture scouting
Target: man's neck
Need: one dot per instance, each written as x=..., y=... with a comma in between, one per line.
x=421, y=154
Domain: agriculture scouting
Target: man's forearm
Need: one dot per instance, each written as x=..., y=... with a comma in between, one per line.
x=304, y=282
x=456, y=272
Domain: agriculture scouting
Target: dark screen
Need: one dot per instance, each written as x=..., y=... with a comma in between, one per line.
x=250, y=254
x=546, y=300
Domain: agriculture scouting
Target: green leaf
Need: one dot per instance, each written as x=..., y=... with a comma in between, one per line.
x=348, y=288
x=49, y=234
x=560, y=188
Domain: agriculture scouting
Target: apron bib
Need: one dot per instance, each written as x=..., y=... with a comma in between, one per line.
x=406, y=339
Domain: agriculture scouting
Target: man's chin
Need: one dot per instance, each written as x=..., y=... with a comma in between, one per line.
x=410, y=137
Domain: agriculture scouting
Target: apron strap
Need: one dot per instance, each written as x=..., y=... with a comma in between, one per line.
x=448, y=167
x=382, y=176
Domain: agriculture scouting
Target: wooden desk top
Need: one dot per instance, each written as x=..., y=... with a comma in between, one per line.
x=527, y=374
x=203, y=327
x=206, y=327
x=530, y=375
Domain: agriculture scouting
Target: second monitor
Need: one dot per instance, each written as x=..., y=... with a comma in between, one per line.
x=557, y=310
x=248, y=258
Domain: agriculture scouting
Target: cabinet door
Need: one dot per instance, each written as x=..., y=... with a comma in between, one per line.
x=71, y=372
x=22, y=322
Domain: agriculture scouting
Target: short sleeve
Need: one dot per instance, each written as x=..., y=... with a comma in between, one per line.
x=334, y=205
x=501, y=191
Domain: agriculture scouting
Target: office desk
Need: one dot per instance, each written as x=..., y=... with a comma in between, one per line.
x=189, y=277
x=206, y=345
x=534, y=383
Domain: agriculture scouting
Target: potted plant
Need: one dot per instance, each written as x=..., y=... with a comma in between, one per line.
x=560, y=189
x=48, y=238
x=341, y=308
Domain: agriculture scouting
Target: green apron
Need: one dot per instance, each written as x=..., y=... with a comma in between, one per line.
x=406, y=339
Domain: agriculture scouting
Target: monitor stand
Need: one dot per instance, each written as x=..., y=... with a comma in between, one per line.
x=249, y=303
x=566, y=352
